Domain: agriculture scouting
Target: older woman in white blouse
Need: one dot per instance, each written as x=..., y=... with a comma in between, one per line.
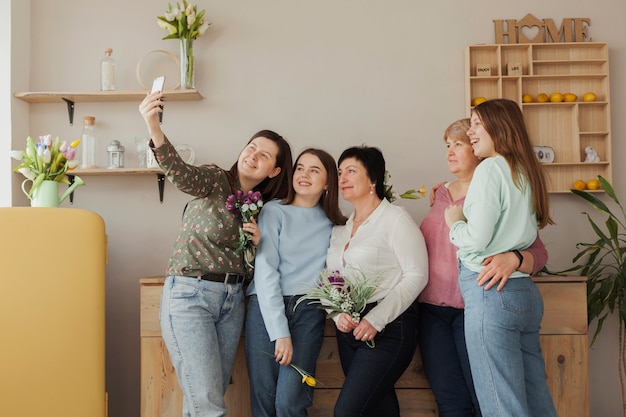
x=381, y=241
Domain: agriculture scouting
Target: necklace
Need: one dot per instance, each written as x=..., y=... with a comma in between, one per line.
x=354, y=220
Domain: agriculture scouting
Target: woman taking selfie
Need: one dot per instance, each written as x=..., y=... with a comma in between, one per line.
x=202, y=305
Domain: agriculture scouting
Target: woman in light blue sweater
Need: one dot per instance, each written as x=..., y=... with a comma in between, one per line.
x=294, y=239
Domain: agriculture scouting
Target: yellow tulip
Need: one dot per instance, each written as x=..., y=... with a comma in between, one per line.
x=75, y=143
x=309, y=380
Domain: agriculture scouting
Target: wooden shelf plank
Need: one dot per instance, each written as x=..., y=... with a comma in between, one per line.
x=102, y=96
x=114, y=171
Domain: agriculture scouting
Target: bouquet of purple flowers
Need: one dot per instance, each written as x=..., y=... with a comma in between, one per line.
x=247, y=205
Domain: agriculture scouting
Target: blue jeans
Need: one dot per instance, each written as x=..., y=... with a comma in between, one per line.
x=368, y=389
x=277, y=390
x=502, y=338
x=201, y=323
x=441, y=337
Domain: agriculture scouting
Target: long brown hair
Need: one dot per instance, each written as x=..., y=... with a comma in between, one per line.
x=503, y=120
x=329, y=200
x=278, y=186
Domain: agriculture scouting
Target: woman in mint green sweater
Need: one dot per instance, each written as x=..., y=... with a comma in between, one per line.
x=507, y=201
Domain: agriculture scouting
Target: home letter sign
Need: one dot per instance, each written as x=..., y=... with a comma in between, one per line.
x=533, y=30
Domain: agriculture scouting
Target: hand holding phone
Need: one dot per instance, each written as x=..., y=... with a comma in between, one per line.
x=157, y=85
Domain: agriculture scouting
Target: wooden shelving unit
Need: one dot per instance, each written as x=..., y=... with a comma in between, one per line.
x=72, y=97
x=567, y=127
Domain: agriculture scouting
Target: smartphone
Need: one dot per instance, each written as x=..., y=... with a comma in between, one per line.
x=157, y=85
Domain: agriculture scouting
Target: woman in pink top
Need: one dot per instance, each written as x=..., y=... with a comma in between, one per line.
x=441, y=332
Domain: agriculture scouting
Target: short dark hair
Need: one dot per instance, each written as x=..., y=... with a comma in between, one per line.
x=374, y=163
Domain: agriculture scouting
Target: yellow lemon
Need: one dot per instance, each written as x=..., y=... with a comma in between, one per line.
x=477, y=100
x=556, y=97
x=527, y=98
x=570, y=97
x=589, y=97
x=542, y=98
x=580, y=185
x=593, y=185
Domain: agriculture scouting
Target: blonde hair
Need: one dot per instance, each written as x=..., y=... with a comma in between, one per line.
x=458, y=130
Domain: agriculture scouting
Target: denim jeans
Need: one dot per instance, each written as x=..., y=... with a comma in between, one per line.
x=441, y=336
x=277, y=390
x=502, y=338
x=368, y=389
x=201, y=323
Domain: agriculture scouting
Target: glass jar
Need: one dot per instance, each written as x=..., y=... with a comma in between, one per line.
x=88, y=143
x=107, y=71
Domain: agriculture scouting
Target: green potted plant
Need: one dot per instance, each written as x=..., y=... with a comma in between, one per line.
x=603, y=263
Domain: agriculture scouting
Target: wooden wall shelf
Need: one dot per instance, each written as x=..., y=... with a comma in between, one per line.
x=115, y=171
x=102, y=96
x=567, y=127
x=71, y=98
x=120, y=172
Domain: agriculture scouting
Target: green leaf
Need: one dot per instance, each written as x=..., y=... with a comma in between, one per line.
x=602, y=261
x=592, y=199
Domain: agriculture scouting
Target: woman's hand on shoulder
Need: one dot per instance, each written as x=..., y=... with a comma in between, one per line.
x=432, y=192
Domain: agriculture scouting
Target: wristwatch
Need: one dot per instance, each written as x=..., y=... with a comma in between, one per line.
x=519, y=256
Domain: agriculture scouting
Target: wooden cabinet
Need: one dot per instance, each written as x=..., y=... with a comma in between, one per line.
x=566, y=127
x=563, y=340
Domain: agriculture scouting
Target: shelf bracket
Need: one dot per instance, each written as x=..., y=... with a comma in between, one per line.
x=71, y=179
x=161, y=184
x=70, y=110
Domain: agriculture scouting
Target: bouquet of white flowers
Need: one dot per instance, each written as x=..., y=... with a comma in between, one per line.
x=339, y=294
x=336, y=293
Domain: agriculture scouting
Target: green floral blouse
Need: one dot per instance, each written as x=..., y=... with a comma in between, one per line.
x=209, y=233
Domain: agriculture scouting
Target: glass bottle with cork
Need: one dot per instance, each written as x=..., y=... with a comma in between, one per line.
x=107, y=71
x=88, y=143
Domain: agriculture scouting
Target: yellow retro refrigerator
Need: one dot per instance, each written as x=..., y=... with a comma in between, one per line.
x=52, y=312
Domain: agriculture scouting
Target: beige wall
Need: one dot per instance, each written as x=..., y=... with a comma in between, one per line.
x=329, y=73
